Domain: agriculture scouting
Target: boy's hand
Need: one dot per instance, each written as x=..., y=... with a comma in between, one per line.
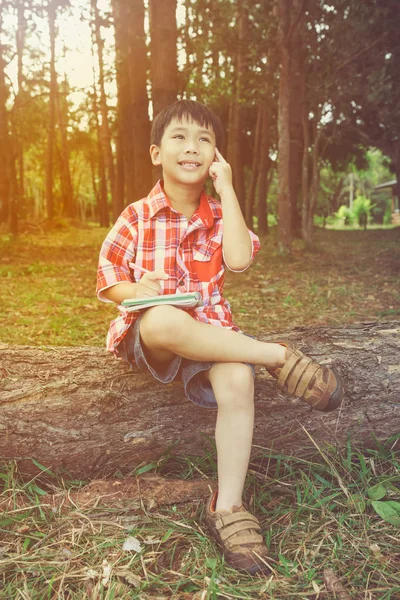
x=148, y=284
x=221, y=173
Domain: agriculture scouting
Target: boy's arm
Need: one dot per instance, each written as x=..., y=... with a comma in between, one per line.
x=148, y=286
x=237, y=244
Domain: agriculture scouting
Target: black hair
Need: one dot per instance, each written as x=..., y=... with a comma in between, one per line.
x=191, y=110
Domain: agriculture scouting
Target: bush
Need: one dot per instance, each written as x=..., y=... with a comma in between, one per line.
x=345, y=214
x=361, y=210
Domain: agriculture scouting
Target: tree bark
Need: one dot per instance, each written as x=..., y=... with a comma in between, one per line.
x=263, y=172
x=140, y=103
x=102, y=201
x=105, y=126
x=18, y=107
x=297, y=74
x=51, y=127
x=4, y=139
x=123, y=105
x=235, y=136
x=67, y=192
x=284, y=208
x=81, y=411
x=254, y=168
x=164, y=67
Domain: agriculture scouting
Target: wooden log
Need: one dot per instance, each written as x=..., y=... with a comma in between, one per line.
x=77, y=410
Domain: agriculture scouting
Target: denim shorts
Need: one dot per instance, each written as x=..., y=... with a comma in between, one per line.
x=191, y=372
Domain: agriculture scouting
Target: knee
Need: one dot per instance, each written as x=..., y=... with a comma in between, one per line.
x=236, y=387
x=161, y=324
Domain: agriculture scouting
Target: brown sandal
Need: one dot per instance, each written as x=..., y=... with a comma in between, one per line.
x=302, y=377
x=237, y=532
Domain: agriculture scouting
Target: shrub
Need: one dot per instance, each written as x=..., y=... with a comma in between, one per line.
x=345, y=214
x=361, y=210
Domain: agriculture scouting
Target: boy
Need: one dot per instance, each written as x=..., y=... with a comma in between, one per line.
x=183, y=238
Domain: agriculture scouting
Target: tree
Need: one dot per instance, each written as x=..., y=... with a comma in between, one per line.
x=104, y=130
x=285, y=10
x=163, y=65
x=132, y=418
x=4, y=134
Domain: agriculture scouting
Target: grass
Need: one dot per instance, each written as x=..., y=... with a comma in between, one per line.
x=315, y=515
x=48, y=284
x=340, y=511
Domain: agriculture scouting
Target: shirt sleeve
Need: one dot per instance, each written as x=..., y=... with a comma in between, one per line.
x=255, y=246
x=117, y=251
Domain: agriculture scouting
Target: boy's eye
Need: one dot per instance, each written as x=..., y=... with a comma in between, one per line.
x=178, y=136
x=203, y=139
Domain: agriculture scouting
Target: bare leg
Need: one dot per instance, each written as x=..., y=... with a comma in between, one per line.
x=233, y=387
x=166, y=330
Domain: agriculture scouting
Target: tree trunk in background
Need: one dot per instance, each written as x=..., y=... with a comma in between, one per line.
x=80, y=410
x=163, y=61
x=51, y=129
x=314, y=188
x=284, y=208
x=250, y=198
x=396, y=162
x=102, y=200
x=4, y=139
x=140, y=103
x=67, y=193
x=295, y=121
x=263, y=171
x=235, y=136
x=105, y=127
x=164, y=67
x=18, y=110
x=305, y=191
x=122, y=175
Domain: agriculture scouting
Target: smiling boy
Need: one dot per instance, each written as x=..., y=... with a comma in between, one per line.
x=185, y=239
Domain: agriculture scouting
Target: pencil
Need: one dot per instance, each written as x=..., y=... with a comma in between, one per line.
x=135, y=266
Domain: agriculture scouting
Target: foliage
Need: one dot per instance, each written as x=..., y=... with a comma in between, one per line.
x=361, y=209
x=345, y=214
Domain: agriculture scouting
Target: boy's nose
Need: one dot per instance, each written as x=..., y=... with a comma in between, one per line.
x=191, y=147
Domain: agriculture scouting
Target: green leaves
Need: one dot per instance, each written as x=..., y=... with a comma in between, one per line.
x=377, y=491
x=389, y=511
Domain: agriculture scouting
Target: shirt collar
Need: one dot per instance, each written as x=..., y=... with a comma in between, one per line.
x=157, y=200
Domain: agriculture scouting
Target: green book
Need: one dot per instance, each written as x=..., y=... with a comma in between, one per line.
x=185, y=300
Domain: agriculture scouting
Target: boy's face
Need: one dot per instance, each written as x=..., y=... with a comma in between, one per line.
x=185, y=153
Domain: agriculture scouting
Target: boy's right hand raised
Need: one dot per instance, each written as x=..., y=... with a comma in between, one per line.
x=149, y=285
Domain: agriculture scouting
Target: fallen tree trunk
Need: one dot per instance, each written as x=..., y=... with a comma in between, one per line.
x=80, y=411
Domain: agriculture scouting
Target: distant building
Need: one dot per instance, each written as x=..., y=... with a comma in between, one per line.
x=395, y=199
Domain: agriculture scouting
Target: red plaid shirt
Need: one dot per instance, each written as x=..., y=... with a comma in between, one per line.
x=153, y=235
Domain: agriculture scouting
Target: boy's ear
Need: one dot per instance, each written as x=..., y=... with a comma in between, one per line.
x=155, y=155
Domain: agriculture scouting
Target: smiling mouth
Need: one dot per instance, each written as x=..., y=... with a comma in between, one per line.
x=189, y=164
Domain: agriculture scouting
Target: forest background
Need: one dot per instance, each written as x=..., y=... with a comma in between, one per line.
x=307, y=92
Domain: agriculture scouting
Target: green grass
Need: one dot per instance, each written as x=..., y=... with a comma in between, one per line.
x=315, y=514
x=48, y=285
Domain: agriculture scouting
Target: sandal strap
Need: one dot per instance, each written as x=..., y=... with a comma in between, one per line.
x=288, y=367
x=225, y=520
x=237, y=528
x=251, y=538
x=305, y=380
x=296, y=376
